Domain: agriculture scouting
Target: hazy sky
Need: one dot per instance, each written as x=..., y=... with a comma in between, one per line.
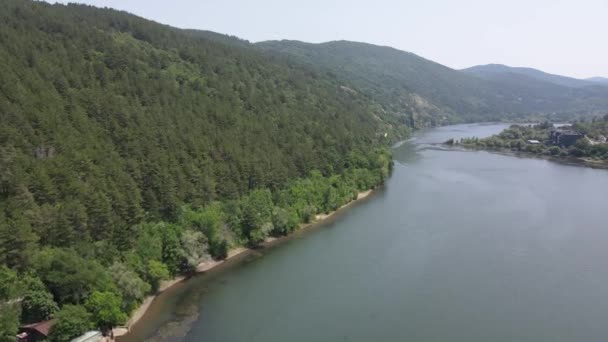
x=565, y=37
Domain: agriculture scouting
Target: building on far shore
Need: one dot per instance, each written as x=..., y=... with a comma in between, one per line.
x=564, y=136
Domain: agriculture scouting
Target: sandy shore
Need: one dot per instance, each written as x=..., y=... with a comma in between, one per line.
x=167, y=284
x=360, y=196
x=139, y=313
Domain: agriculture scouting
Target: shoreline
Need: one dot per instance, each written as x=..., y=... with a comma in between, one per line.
x=139, y=313
x=572, y=161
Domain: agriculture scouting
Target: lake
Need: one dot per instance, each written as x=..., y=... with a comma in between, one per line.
x=457, y=246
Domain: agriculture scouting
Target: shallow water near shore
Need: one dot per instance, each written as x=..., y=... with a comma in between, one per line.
x=458, y=246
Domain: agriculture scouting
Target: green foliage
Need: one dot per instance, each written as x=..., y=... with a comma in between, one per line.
x=307, y=213
x=172, y=254
x=105, y=308
x=149, y=243
x=284, y=221
x=194, y=249
x=132, y=288
x=142, y=119
x=424, y=93
x=8, y=283
x=37, y=306
x=257, y=215
x=555, y=150
x=69, y=277
x=9, y=321
x=156, y=271
x=592, y=145
x=210, y=220
x=595, y=146
x=220, y=250
x=545, y=125
x=515, y=137
x=72, y=321
x=17, y=241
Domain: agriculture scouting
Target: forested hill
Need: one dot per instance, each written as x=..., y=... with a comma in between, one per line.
x=130, y=151
x=119, y=110
x=496, y=71
x=430, y=93
x=425, y=92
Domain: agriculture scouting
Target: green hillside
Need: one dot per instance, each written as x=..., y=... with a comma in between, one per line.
x=428, y=93
x=131, y=151
x=496, y=71
x=425, y=92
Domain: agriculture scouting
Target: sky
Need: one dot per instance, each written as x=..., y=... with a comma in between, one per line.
x=567, y=37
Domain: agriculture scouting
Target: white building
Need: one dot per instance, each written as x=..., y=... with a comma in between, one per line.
x=90, y=336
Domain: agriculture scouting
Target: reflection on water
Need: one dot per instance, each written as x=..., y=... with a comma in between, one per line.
x=185, y=313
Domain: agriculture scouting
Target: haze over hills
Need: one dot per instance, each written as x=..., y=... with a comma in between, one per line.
x=430, y=93
x=496, y=71
x=424, y=91
x=602, y=80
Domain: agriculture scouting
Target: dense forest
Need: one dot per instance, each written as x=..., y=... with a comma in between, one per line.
x=131, y=151
x=590, y=146
x=428, y=93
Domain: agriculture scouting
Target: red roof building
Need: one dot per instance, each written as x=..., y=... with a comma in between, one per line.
x=35, y=331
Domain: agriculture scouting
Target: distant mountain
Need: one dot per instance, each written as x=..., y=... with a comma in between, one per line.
x=428, y=93
x=497, y=71
x=600, y=80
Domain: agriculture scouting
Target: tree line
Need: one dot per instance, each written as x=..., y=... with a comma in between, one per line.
x=591, y=146
x=100, y=286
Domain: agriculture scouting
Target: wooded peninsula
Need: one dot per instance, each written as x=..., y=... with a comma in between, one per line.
x=583, y=141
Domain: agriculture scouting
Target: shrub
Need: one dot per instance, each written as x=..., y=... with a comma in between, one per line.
x=72, y=321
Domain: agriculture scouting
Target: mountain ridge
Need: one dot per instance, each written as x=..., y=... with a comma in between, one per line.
x=597, y=79
x=490, y=70
x=402, y=80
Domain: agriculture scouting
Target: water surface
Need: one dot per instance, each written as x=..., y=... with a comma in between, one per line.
x=458, y=246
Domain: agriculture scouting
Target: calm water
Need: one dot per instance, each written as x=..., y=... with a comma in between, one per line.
x=459, y=246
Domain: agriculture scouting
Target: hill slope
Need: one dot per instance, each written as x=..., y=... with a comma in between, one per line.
x=601, y=80
x=172, y=116
x=495, y=71
x=426, y=92
x=135, y=147
x=430, y=93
